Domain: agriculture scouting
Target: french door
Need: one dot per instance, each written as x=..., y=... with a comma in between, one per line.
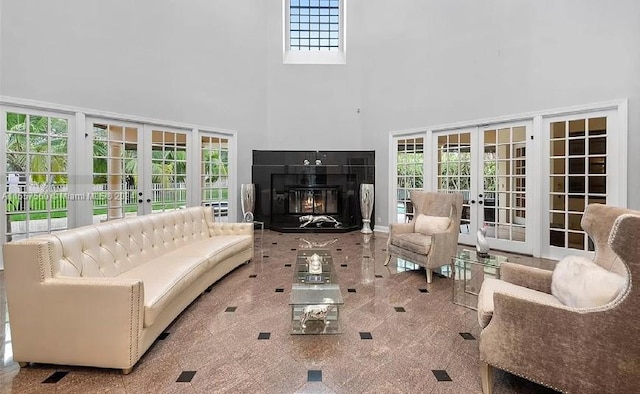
x=137, y=168
x=488, y=165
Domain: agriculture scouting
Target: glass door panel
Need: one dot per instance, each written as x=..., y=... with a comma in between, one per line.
x=116, y=189
x=577, y=177
x=168, y=170
x=37, y=168
x=409, y=174
x=214, y=178
x=454, y=167
x=503, y=193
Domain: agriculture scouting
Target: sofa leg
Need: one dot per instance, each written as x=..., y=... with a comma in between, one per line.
x=127, y=371
x=486, y=376
x=23, y=364
x=386, y=262
x=429, y=275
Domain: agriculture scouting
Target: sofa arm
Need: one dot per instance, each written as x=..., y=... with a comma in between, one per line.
x=525, y=276
x=230, y=229
x=79, y=321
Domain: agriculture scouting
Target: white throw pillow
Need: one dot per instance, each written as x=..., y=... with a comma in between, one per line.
x=580, y=283
x=429, y=225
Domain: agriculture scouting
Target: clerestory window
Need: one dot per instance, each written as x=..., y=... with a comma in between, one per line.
x=314, y=31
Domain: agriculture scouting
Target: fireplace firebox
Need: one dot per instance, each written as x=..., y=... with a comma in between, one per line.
x=293, y=185
x=313, y=201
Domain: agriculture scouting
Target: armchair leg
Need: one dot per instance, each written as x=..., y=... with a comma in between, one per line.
x=126, y=371
x=23, y=364
x=386, y=262
x=486, y=376
x=429, y=274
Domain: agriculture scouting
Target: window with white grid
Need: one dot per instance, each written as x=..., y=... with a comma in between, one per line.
x=314, y=31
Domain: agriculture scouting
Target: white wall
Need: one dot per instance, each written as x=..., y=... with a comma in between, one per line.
x=410, y=64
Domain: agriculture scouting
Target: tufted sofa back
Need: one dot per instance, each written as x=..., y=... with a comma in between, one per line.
x=111, y=248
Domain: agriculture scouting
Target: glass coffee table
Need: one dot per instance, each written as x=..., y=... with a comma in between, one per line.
x=469, y=271
x=315, y=294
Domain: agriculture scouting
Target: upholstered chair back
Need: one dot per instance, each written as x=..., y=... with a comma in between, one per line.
x=437, y=204
x=596, y=221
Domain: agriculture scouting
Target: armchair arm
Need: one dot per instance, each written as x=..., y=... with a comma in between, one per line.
x=444, y=247
x=216, y=228
x=525, y=276
x=78, y=321
x=401, y=228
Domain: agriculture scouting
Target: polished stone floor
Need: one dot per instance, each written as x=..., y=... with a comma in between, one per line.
x=399, y=334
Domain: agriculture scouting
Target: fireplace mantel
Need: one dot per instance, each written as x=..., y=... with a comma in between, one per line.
x=291, y=184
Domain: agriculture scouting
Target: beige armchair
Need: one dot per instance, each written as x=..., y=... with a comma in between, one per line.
x=431, y=238
x=528, y=332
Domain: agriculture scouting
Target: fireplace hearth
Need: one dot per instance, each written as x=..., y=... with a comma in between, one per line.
x=291, y=188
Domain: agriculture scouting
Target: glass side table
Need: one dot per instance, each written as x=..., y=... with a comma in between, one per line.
x=469, y=271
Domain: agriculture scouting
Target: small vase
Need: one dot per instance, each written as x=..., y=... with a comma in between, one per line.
x=482, y=245
x=248, y=199
x=366, y=206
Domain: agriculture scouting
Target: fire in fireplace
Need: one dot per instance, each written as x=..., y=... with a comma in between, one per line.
x=313, y=201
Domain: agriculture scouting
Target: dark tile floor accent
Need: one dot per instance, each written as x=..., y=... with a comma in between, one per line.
x=399, y=309
x=314, y=375
x=279, y=290
x=186, y=376
x=339, y=249
x=231, y=309
x=423, y=290
x=163, y=336
x=55, y=377
x=224, y=349
x=343, y=265
x=351, y=290
x=366, y=335
x=264, y=335
x=441, y=375
x=253, y=276
x=287, y=265
x=467, y=336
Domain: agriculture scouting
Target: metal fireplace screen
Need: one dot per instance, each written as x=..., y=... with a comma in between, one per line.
x=313, y=201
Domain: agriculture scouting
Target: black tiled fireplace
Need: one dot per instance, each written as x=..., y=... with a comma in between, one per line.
x=294, y=186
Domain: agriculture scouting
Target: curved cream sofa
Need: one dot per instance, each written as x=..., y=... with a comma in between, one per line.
x=100, y=295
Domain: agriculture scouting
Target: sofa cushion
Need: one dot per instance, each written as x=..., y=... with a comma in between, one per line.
x=578, y=282
x=415, y=242
x=491, y=286
x=217, y=248
x=429, y=225
x=164, y=278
